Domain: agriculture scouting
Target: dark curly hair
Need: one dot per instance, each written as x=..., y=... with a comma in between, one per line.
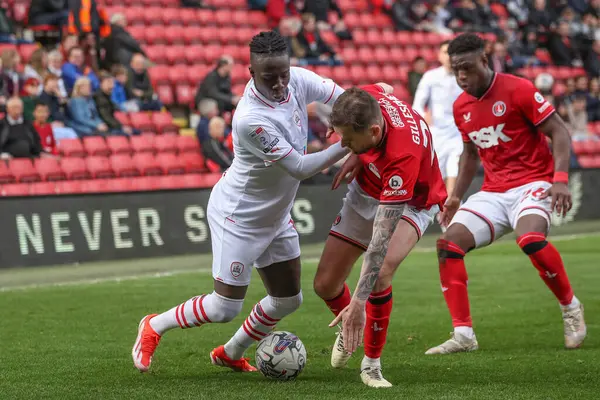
x=466, y=43
x=267, y=44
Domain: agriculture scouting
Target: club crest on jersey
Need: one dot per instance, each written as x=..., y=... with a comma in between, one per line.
x=539, y=98
x=297, y=119
x=499, y=108
x=467, y=117
x=236, y=269
x=337, y=220
x=374, y=170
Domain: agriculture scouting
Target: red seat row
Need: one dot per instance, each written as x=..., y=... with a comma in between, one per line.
x=156, y=122
x=129, y=184
x=99, y=167
x=232, y=4
x=100, y=146
x=587, y=147
x=24, y=50
x=589, y=161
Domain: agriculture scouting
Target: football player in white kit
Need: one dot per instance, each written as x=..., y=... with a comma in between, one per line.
x=249, y=208
x=436, y=92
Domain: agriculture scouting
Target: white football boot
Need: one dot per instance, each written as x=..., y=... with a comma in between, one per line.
x=339, y=356
x=372, y=377
x=456, y=344
x=575, y=329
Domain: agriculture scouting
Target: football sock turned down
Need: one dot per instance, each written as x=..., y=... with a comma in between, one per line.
x=262, y=320
x=379, y=309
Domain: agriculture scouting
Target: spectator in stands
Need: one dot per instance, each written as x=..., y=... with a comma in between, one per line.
x=106, y=108
x=18, y=138
x=289, y=28
x=87, y=18
x=213, y=147
x=41, y=113
x=55, y=61
x=320, y=9
x=75, y=69
x=67, y=44
x=139, y=87
x=217, y=86
x=522, y=51
x=53, y=98
x=208, y=109
x=440, y=17
x=12, y=80
x=576, y=109
x=29, y=97
x=540, y=17
x=7, y=32
x=313, y=49
x=408, y=16
x=194, y=4
x=120, y=46
x=37, y=66
x=419, y=66
x=48, y=12
x=500, y=59
x=82, y=113
x=3, y=89
x=561, y=47
x=592, y=61
x=119, y=94
x=519, y=10
x=275, y=10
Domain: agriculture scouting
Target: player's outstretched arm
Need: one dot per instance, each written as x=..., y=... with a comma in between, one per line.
x=304, y=166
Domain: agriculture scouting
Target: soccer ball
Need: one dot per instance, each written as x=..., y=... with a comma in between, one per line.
x=281, y=356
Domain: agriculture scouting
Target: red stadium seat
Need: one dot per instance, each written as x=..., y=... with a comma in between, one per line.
x=152, y=15
x=71, y=148
x=170, y=163
x=226, y=35
x=381, y=55
x=177, y=74
x=163, y=121
x=49, y=169
x=142, y=121
x=42, y=188
x=200, y=17
x=135, y=15
x=142, y=143
x=210, y=180
x=196, y=35
x=373, y=73
x=123, y=118
x=23, y=170
x=165, y=143
x=188, y=144
x=139, y=33
x=185, y=95
x=95, y=146
x=586, y=161
x=122, y=165
x=118, y=145
x=74, y=168
x=14, y=189
x=165, y=94
x=176, y=54
x=5, y=175
x=194, y=162
x=26, y=50
x=68, y=187
x=174, y=35
x=99, y=167
x=170, y=16
x=155, y=38
x=159, y=74
x=147, y=164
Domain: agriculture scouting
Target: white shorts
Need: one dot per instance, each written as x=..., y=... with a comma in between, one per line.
x=237, y=249
x=448, y=153
x=488, y=215
x=354, y=223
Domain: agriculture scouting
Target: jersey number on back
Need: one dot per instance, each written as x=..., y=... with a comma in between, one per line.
x=426, y=137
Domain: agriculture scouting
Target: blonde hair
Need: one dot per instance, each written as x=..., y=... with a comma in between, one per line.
x=8, y=59
x=37, y=61
x=78, y=84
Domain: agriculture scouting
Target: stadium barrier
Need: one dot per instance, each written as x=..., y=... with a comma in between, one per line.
x=54, y=230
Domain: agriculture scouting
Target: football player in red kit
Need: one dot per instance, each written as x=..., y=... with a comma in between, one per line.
x=506, y=120
x=393, y=200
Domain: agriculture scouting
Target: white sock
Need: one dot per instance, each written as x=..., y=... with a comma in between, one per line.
x=368, y=362
x=197, y=311
x=466, y=331
x=261, y=321
x=574, y=304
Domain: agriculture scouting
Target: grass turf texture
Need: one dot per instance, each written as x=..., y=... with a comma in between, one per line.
x=74, y=342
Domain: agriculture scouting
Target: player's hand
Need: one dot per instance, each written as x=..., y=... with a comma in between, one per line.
x=561, y=197
x=349, y=170
x=353, y=324
x=450, y=208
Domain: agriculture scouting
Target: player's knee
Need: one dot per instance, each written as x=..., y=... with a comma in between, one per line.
x=532, y=242
x=325, y=288
x=221, y=309
x=285, y=305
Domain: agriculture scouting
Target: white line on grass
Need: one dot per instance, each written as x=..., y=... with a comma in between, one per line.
x=83, y=282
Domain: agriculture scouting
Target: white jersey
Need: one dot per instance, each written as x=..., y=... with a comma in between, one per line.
x=437, y=91
x=254, y=191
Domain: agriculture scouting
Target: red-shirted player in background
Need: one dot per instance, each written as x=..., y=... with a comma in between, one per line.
x=506, y=121
x=393, y=200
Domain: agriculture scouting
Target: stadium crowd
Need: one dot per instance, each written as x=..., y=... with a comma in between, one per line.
x=81, y=84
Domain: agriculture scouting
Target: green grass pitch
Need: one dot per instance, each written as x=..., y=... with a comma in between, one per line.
x=74, y=341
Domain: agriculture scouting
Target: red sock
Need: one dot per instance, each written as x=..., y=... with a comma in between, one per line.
x=341, y=301
x=379, y=309
x=546, y=259
x=453, y=277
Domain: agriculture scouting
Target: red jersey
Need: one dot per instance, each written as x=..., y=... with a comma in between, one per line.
x=503, y=125
x=46, y=137
x=403, y=168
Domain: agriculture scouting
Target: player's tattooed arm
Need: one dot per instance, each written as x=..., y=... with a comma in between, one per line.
x=555, y=128
x=386, y=220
